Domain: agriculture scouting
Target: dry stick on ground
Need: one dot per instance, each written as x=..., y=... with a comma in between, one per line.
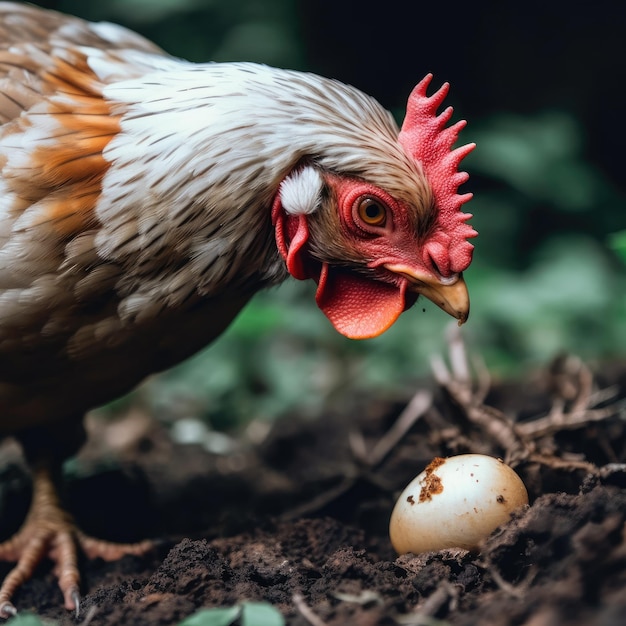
x=575, y=407
x=414, y=410
x=520, y=590
x=445, y=594
x=91, y=613
x=492, y=422
x=369, y=460
x=306, y=611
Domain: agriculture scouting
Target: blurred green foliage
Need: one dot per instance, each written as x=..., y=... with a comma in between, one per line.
x=546, y=277
x=246, y=614
x=205, y=30
x=28, y=619
x=617, y=242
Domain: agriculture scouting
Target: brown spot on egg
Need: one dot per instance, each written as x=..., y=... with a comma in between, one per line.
x=434, y=464
x=431, y=485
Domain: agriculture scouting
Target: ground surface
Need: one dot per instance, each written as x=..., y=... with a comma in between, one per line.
x=298, y=516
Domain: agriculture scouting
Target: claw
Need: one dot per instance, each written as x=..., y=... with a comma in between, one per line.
x=7, y=610
x=74, y=596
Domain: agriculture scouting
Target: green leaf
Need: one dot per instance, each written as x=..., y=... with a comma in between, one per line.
x=251, y=614
x=212, y=617
x=27, y=619
x=261, y=614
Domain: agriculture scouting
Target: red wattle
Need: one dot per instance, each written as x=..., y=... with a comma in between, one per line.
x=359, y=307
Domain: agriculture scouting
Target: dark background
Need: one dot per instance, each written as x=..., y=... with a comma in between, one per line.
x=521, y=57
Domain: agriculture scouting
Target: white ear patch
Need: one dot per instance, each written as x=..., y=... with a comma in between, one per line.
x=301, y=192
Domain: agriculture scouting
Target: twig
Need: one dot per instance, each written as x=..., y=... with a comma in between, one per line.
x=603, y=395
x=91, y=613
x=519, y=591
x=358, y=446
x=492, y=422
x=583, y=409
x=414, y=410
x=554, y=462
x=458, y=357
x=611, y=468
x=559, y=421
x=483, y=378
x=305, y=610
x=319, y=502
x=574, y=407
x=369, y=460
x=363, y=598
x=444, y=593
x=584, y=378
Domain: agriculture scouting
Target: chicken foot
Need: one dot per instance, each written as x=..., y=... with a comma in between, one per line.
x=50, y=531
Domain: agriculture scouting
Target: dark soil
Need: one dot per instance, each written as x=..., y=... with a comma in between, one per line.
x=297, y=520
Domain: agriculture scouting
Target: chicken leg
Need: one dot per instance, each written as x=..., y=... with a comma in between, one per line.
x=50, y=531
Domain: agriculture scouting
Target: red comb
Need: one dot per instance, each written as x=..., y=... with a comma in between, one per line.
x=424, y=135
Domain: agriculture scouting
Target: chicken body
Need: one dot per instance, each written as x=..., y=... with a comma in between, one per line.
x=134, y=225
x=145, y=199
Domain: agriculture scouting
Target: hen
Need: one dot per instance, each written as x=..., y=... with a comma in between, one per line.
x=144, y=200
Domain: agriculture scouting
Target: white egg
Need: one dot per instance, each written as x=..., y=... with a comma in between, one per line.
x=455, y=503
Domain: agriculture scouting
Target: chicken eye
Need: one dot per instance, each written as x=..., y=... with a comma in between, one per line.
x=372, y=211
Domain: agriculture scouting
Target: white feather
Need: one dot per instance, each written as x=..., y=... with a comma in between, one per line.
x=300, y=193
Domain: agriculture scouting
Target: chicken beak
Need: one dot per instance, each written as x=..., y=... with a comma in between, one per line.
x=452, y=297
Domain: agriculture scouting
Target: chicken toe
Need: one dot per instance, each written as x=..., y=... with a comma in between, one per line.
x=49, y=531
